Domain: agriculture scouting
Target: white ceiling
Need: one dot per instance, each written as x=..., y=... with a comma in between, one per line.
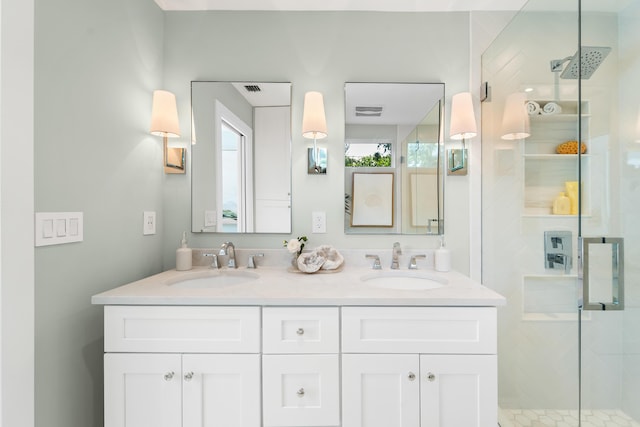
x=362, y=5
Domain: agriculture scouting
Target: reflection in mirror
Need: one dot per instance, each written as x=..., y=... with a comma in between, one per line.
x=241, y=157
x=394, y=130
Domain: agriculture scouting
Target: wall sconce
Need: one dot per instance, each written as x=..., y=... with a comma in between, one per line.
x=314, y=125
x=463, y=126
x=515, y=119
x=164, y=123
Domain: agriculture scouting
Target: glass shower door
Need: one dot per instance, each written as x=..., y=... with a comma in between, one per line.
x=560, y=365
x=610, y=338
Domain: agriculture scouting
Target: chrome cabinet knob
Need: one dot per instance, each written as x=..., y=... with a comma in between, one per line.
x=188, y=376
x=411, y=376
x=300, y=331
x=169, y=376
x=300, y=392
x=431, y=376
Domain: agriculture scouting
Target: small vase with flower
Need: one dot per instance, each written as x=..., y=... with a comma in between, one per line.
x=295, y=247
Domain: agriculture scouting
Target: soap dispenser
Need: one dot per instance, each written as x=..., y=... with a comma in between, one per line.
x=183, y=255
x=442, y=257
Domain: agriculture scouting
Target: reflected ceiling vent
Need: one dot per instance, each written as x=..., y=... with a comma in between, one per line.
x=368, y=111
x=252, y=88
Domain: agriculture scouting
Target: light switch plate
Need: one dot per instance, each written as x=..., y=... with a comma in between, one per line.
x=57, y=228
x=149, y=223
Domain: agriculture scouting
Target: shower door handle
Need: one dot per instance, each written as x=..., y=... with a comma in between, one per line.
x=601, y=273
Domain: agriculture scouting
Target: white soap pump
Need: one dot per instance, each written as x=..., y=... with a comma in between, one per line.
x=442, y=257
x=183, y=255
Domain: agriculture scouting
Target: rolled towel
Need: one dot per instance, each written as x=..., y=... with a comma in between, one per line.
x=533, y=108
x=551, y=108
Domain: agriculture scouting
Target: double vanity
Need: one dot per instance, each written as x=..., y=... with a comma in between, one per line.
x=273, y=347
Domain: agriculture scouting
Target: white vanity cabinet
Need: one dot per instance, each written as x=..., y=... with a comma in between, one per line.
x=289, y=366
x=168, y=366
x=419, y=366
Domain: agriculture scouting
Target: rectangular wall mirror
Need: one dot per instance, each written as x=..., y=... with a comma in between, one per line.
x=394, y=158
x=241, y=157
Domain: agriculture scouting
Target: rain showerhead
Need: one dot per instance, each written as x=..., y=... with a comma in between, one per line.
x=591, y=58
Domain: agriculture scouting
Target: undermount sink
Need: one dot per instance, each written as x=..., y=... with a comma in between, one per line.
x=404, y=280
x=213, y=279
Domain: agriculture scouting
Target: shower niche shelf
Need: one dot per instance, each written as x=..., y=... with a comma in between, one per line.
x=545, y=171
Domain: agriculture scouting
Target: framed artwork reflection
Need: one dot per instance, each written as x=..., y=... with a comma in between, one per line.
x=372, y=200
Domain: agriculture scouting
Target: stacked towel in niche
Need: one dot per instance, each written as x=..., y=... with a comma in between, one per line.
x=533, y=108
x=551, y=108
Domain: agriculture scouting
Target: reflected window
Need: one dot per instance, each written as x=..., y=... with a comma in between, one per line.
x=232, y=155
x=366, y=154
x=422, y=155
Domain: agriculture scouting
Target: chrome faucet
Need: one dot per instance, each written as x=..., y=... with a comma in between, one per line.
x=396, y=252
x=215, y=263
x=228, y=249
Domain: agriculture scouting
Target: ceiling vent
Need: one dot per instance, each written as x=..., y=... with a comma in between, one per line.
x=252, y=88
x=368, y=111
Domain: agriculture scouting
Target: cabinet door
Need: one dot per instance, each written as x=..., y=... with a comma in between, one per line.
x=380, y=390
x=459, y=390
x=142, y=390
x=301, y=390
x=221, y=390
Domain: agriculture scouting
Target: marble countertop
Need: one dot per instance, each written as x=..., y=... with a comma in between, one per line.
x=281, y=286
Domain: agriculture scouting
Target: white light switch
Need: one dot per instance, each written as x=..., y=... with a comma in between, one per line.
x=56, y=228
x=73, y=226
x=47, y=228
x=61, y=227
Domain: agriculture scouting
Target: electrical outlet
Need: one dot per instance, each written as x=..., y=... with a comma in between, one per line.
x=149, y=223
x=318, y=222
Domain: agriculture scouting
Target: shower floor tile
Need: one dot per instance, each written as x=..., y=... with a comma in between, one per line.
x=562, y=418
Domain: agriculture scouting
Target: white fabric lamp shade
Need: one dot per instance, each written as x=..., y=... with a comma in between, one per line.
x=515, y=120
x=463, y=119
x=314, y=122
x=164, y=114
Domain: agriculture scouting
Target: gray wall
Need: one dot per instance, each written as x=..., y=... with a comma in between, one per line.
x=97, y=63
x=314, y=51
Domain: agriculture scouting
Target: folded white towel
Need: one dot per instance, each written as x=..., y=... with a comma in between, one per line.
x=551, y=108
x=533, y=108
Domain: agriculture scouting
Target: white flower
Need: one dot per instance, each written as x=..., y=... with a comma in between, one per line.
x=293, y=246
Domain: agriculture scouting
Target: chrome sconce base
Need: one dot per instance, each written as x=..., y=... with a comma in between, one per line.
x=457, y=161
x=317, y=161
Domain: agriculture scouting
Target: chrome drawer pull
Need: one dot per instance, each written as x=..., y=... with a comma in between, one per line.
x=300, y=331
x=300, y=392
x=169, y=376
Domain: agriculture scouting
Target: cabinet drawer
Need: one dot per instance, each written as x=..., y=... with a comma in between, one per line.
x=301, y=390
x=191, y=329
x=300, y=330
x=448, y=330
